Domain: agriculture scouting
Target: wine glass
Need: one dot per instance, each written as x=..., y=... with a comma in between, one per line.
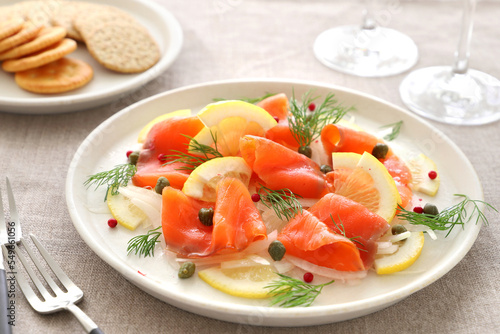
x=368, y=50
x=454, y=94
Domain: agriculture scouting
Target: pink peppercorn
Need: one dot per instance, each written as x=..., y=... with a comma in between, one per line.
x=112, y=222
x=311, y=107
x=129, y=153
x=418, y=209
x=308, y=277
x=255, y=197
x=161, y=157
x=432, y=174
x=276, y=119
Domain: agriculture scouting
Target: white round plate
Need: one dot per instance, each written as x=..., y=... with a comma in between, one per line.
x=106, y=146
x=106, y=85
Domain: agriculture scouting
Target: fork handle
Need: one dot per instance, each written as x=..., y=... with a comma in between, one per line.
x=5, y=327
x=84, y=319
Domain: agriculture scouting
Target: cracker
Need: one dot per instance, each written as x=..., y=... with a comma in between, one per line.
x=59, y=76
x=46, y=37
x=27, y=33
x=125, y=48
x=10, y=27
x=94, y=16
x=42, y=57
x=65, y=15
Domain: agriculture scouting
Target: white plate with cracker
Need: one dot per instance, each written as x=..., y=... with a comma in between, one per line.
x=106, y=85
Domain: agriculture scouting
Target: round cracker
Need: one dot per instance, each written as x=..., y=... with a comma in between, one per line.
x=42, y=57
x=27, y=33
x=46, y=37
x=10, y=27
x=123, y=48
x=59, y=76
x=96, y=15
x=65, y=15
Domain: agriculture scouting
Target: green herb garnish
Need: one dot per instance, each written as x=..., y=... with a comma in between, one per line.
x=305, y=125
x=448, y=218
x=291, y=292
x=283, y=201
x=144, y=244
x=396, y=128
x=341, y=228
x=249, y=99
x=192, y=161
x=120, y=175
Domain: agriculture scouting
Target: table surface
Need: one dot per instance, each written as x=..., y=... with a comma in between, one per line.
x=234, y=39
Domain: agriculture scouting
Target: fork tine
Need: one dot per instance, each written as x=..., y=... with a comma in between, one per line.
x=61, y=276
x=14, y=217
x=28, y=292
x=34, y=278
x=42, y=270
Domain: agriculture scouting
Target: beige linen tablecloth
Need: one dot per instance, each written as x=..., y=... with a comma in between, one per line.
x=227, y=39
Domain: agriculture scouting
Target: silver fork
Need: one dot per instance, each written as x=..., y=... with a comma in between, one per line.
x=62, y=300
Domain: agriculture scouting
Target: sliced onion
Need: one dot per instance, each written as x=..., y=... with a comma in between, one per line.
x=146, y=200
x=248, y=261
x=283, y=266
x=388, y=250
x=423, y=228
x=399, y=237
x=326, y=272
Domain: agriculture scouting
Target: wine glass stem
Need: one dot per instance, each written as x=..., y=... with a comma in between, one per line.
x=368, y=20
x=463, y=51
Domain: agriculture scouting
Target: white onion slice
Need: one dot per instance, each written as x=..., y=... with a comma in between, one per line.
x=326, y=272
x=283, y=266
x=388, y=250
x=248, y=261
x=423, y=228
x=399, y=237
x=147, y=200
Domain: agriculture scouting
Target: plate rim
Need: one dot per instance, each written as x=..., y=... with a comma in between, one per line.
x=310, y=316
x=71, y=103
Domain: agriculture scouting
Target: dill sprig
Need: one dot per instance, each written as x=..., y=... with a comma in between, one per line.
x=144, y=244
x=341, y=228
x=396, y=129
x=283, y=201
x=450, y=217
x=119, y=175
x=291, y=292
x=248, y=99
x=192, y=161
x=306, y=126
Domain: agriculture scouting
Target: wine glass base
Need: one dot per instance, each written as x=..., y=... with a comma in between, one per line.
x=438, y=93
x=373, y=52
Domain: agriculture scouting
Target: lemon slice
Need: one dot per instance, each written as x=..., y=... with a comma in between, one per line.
x=202, y=182
x=364, y=179
x=405, y=256
x=228, y=121
x=247, y=282
x=124, y=211
x=144, y=132
x=420, y=168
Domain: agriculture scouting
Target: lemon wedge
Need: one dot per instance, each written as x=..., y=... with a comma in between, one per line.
x=247, y=282
x=144, y=132
x=202, y=182
x=421, y=182
x=405, y=256
x=124, y=211
x=364, y=179
x=228, y=121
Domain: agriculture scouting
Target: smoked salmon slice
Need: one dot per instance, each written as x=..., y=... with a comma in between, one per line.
x=276, y=105
x=338, y=138
x=353, y=219
x=164, y=138
x=279, y=167
x=306, y=237
x=236, y=221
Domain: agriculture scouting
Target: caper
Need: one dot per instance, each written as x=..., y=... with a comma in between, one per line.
x=398, y=229
x=305, y=150
x=186, y=270
x=325, y=169
x=206, y=216
x=277, y=250
x=431, y=209
x=161, y=183
x=133, y=157
x=380, y=151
